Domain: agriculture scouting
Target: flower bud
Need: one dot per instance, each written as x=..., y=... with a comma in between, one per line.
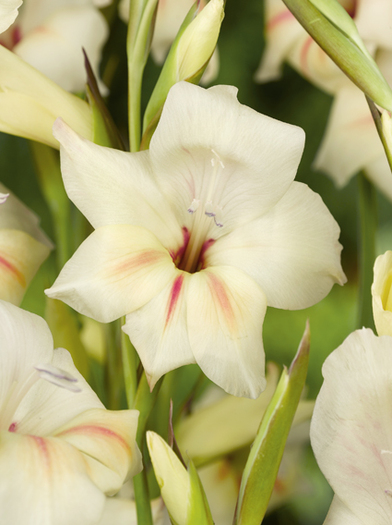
x=382, y=294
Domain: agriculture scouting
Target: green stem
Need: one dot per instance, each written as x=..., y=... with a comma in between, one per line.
x=367, y=204
x=130, y=364
x=114, y=382
x=144, y=402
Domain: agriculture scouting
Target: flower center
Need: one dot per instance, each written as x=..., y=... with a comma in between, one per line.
x=20, y=388
x=204, y=209
x=11, y=37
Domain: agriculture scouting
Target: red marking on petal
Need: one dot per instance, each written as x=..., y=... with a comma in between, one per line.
x=204, y=248
x=304, y=53
x=283, y=16
x=174, y=295
x=12, y=427
x=43, y=448
x=220, y=294
x=97, y=431
x=17, y=274
x=145, y=258
x=178, y=255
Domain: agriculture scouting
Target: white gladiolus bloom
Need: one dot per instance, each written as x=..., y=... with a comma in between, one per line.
x=8, y=13
x=50, y=35
x=351, y=430
x=60, y=450
x=197, y=235
x=23, y=247
x=351, y=142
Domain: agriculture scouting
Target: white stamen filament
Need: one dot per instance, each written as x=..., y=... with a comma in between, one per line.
x=194, y=205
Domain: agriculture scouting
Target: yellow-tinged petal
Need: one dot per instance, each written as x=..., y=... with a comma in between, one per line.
x=107, y=439
x=172, y=477
x=382, y=294
x=225, y=313
x=20, y=258
x=159, y=330
x=44, y=480
x=118, y=269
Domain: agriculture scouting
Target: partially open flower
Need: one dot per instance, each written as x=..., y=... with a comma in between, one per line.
x=60, y=450
x=50, y=35
x=23, y=247
x=195, y=236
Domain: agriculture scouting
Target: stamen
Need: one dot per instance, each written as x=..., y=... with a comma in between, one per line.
x=58, y=377
x=209, y=210
x=388, y=492
x=194, y=205
x=3, y=197
x=218, y=218
x=218, y=157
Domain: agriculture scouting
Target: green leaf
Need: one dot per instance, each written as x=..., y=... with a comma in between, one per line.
x=199, y=510
x=266, y=453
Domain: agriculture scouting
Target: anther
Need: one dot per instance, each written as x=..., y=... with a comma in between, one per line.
x=209, y=210
x=194, y=205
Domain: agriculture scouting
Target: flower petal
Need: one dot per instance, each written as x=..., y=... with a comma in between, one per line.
x=45, y=481
x=292, y=252
x=20, y=258
x=113, y=187
x=116, y=270
x=242, y=161
x=225, y=313
x=46, y=407
x=373, y=19
x=8, y=13
x=107, y=440
x=351, y=431
x=55, y=46
x=159, y=331
x=339, y=514
x=19, y=331
x=351, y=140
x=381, y=294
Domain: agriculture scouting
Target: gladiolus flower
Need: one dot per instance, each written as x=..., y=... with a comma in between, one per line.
x=8, y=13
x=195, y=236
x=351, y=429
x=50, y=35
x=351, y=142
x=23, y=247
x=60, y=450
x=382, y=294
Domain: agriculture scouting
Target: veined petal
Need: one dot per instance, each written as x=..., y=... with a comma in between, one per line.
x=159, y=330
x=113, y=187
x=108, y=441
x=339, y=514
x=47, y=407
x=292, y=252
x=55, y=46
x=351, y=141
x=20, y=330
x=8, y=13
x=44, y=480
x=116, y=270
x=351, y=427
x=236, y=144
x=225, y=313
x=20, y=258
x=122, y=511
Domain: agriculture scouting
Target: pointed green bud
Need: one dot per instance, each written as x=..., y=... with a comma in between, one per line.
x=334, y=31
x=188, y=57
x=266, y=453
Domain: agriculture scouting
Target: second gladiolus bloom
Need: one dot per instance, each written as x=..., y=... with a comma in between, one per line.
x=197, y=235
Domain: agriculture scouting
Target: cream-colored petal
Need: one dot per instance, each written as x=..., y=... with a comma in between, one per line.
x=45, y=481
x=351, y=431
x=30, y=102
x=339, y=514
x=25, y=341
x=47, y=407
x=292, y=252
x=113, y=187
x=225, y=313
x=20, y=258
x=350, y=141
x=108, y=441
x=55, y=47
x=382, y=294
x=281, y=32
x=159, y=330
x=8, y=13
x=116, y=270
x=209, y=147
x=122, y=511
x=379, y=173
x=374, y=21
